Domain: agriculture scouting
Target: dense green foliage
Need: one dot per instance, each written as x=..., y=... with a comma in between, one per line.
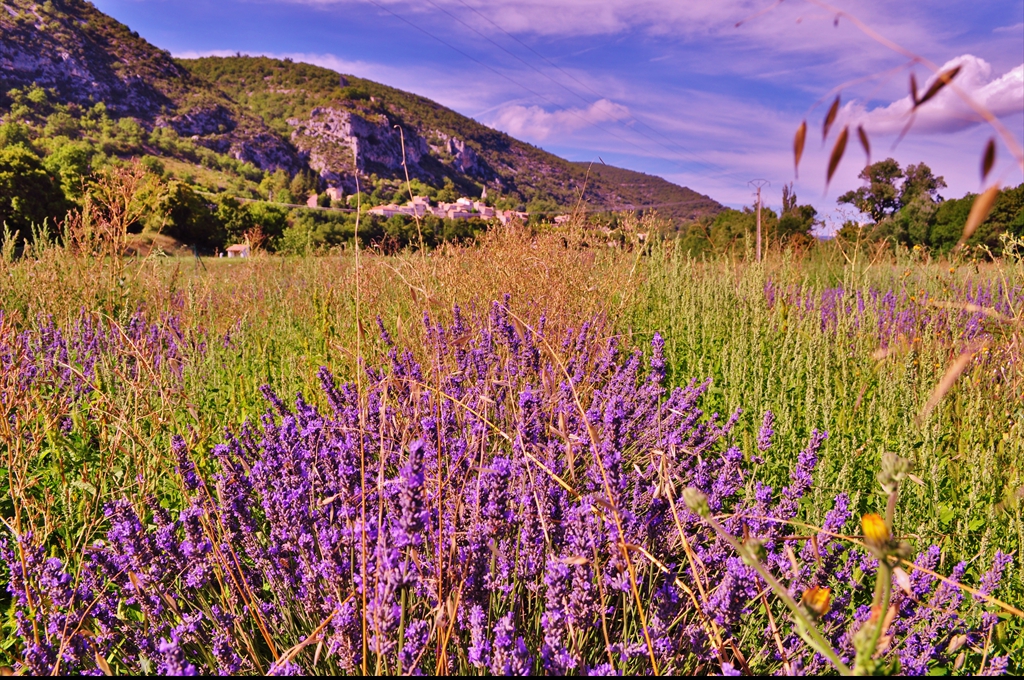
x=905, y=208
x=29, y=196
x=735, y=230
x=52, y=154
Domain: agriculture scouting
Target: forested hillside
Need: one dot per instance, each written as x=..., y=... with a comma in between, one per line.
x=82, y=94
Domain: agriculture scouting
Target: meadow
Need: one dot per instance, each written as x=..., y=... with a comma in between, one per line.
x=530, y=454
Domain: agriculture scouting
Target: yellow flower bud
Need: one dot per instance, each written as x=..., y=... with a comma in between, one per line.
x=817, y=600
x=876, y=531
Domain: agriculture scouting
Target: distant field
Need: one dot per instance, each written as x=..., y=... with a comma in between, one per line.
x=500, y=442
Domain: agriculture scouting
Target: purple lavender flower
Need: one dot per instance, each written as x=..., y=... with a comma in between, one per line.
x=172, y=660
x=186, y=468
x=510, y=656
x=479, y=652
x=324, y=517
x=764, y=437
x=997, y=665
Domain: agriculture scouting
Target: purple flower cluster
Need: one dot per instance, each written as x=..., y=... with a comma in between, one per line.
x=506, y=505
x=902, y=314
x=64, y=361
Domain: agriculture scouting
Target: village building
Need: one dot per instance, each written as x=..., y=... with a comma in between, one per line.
x=239, y=250
x=385, y=211
x=462, y=209
x=507, y=217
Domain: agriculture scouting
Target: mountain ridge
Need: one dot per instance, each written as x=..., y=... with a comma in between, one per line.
x=280, y=114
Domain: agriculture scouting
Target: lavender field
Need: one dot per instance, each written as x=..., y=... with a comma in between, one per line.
x=523, y=456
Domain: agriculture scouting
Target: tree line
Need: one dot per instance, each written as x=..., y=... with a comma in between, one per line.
x=903, y=206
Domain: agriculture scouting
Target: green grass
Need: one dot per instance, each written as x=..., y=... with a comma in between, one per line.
x=289, y=316
x=967, y=454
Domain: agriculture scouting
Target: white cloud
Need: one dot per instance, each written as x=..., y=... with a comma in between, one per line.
x=533, y=122
x=948, y=111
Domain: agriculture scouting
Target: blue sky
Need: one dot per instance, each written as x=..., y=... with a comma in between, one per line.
x=668, y=87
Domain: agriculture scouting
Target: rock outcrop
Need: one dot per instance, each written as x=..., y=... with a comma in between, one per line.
x=336, y=142
x=84, y=56
x=67, y=52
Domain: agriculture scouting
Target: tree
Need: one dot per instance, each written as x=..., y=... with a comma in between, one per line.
x=187, y=217
x=947, y=224
x=275, y=187
x=1007, y=215
x=29, y=195
x=1008, y=211
x=788, y=198
x=12, y=132
x=448, y=193
x=731, y=227
x=71, y=162
x=302, y=185
x=881, y=197
x=271, y=219
x=797, y=221
x=235, y=218
x=919, y=182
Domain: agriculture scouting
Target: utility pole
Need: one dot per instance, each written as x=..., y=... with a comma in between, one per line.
x=758, y=183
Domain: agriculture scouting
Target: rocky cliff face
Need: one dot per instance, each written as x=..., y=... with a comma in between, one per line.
x=336, y=142
x=86, y=57
x=463, y=158
x=70, y=52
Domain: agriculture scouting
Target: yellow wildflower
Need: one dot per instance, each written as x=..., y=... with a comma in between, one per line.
x=876, y=531
x=817, y=600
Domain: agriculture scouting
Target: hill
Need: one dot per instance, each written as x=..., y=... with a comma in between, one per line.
x=280, y=115
x=640, y=189
x=328, y=116
x=84, y=57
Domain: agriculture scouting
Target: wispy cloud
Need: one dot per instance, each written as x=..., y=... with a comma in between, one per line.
x=535, y=123
x=610, y=17
x=1016, y=29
